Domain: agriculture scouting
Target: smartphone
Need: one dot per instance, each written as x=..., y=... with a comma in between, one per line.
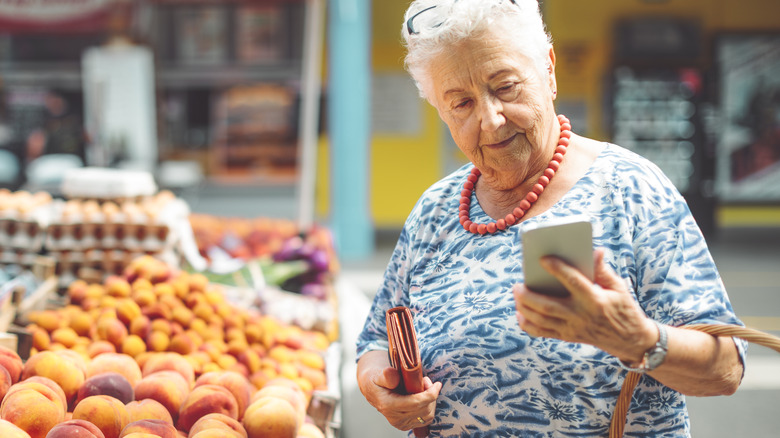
x=569, y=238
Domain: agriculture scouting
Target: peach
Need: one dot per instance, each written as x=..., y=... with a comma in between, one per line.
x=261, y=377
x=157, y=341
x=144, y=297
x=65, y=336
x=108, y=302
x=108, y=383
x=219, y=422
x=206, y=399
x=111, y=330
x=75, y=429
x=5, y=381
x=213, y=348
x=172, y=362
x=10, y=430
x=45, y=386
x=142, y=435
x=253, y=333
x=157, y=310
x=162, y=325
x=127, y=310
x=95, y=291
x=226, y=361
x=171, y=302
x=148, y=409
x=76, y=358
x=161, y=273
x=282, y=381
x=59, y=368
x=117, y=286
x=182, y=343
x=32, y=411
x=77, y=291
x=200, y=357
x=140, y=284
x=290, y=394
x=12, y=362
x=140, y=326
x=107, y=413
x=311, y=359
x=48, y=320
x=250, y=359
x=309, y=430
x=216, y=433
x=201, y=309
x=183, y=316
x=99, y=347
x=133, y=345
x=316, y=378
x=143, y=357
x=198, y=282
x=81, y=323
x=164, y=289
x=118, y=363
x=306, y=386
x=270, y=416
x=157, y=428
x=237, y=384
x=40, y=338
x=166, y=387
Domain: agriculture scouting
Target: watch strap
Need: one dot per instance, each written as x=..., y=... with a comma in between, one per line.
x=654, y=356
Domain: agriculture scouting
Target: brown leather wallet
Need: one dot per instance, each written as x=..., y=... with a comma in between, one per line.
x=405, y=354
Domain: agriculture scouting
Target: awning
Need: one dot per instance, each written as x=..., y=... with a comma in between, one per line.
x=61, y=16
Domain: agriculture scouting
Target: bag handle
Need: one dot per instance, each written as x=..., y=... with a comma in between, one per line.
x=618, y=421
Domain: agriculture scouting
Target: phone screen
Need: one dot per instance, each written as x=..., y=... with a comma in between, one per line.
x=570, y=239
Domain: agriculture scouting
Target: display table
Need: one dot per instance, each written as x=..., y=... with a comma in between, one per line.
x=357, y=415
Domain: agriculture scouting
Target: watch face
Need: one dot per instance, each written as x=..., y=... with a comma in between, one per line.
x=655, y=358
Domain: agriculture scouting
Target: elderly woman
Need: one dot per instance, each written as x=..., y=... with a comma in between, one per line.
x=502, y=360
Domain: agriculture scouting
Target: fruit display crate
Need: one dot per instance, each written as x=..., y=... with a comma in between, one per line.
x=97, y=318
x=325, y=406
x=35, y=288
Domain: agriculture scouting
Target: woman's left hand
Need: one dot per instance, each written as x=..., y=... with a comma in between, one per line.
x=601, y=313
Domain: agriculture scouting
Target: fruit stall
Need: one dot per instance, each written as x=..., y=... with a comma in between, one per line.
x=122, y=314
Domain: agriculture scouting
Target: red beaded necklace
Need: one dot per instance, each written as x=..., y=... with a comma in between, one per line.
x=530, y=198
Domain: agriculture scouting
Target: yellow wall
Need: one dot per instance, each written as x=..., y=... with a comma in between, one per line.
x=402, y=167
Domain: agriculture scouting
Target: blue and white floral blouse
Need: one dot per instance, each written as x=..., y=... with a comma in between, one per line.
x=497, y=380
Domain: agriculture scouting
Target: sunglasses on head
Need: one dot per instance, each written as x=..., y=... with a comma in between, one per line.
x=410, y=22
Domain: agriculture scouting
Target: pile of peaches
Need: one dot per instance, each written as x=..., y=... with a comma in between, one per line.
x=159, y=353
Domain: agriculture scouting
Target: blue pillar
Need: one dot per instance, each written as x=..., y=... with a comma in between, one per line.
x=349, y=126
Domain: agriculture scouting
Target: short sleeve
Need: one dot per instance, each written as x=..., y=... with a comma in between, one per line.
x=392, y=293
x=677, y=280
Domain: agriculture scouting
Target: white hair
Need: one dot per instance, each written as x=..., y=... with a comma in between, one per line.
x=442, y=23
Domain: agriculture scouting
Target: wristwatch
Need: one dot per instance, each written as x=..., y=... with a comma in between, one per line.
x=654, y=356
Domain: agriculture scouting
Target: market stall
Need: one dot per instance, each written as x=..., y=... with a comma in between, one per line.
x=143, y=317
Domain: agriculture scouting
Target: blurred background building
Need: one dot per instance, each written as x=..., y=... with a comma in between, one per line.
x=211, y=95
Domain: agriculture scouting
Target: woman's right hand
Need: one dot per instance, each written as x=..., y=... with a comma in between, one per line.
x=378, y=381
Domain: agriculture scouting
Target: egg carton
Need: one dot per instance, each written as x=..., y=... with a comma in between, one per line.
x=19, y=257
x=24, y=230
x=104, y=183
x=139, y=233
x=22, y=234
x=126, y=236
